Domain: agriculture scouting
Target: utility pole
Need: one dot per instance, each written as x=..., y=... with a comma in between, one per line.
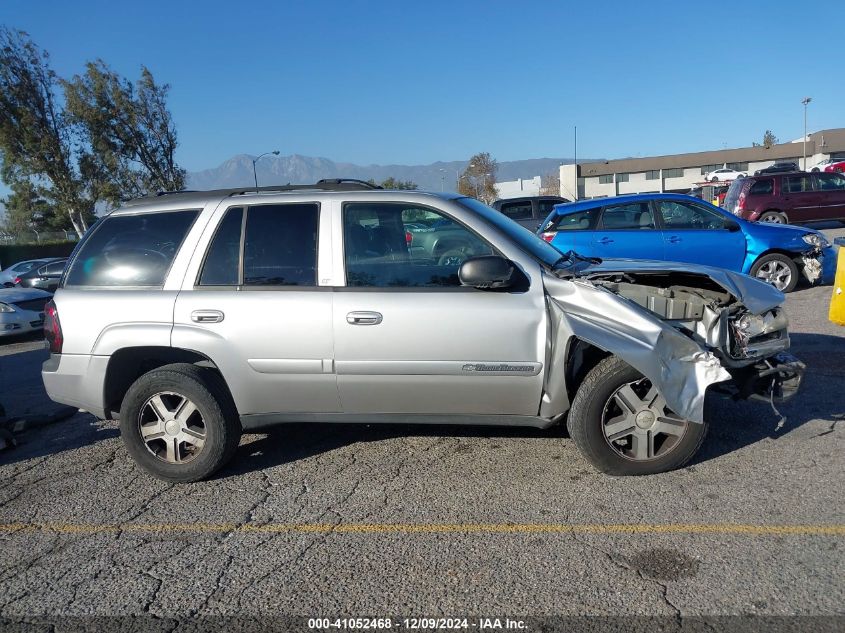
x=576, y=163
x=805, y=101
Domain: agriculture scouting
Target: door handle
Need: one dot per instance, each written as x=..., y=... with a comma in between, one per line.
x=674, y=239
x=605, y=240
x=206, y=316
x=363, y=318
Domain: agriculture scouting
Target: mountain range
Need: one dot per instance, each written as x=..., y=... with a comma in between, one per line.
x=296, y=169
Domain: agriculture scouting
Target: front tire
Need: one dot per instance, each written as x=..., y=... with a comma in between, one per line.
x=621, y=424
x=179, y=424
x=777, y=270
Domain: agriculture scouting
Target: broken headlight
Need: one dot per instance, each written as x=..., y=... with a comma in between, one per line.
x=816, y=239
x=758, y=335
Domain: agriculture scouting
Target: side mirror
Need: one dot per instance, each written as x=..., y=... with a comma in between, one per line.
x=489, y=271
x=732, y=226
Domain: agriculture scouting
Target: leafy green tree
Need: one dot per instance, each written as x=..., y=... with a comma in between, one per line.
x=129, y=130
x=37, y=141
x=393, y=183
x=26, y=210
x=479, y=178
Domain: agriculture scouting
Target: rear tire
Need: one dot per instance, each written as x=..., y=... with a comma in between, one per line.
x=778, y=270
x=774, y=217
x=178, y=422
x=644, y=439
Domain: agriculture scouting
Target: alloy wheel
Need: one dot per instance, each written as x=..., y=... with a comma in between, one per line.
x=172, y=427
x=638, y=425
x=775, y=273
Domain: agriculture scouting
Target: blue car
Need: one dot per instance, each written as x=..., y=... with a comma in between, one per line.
x=674, y=227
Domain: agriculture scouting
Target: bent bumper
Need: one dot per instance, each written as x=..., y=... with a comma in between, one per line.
x=77, y=380
x=774, y=379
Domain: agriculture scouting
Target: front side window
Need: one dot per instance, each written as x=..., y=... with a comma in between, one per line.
x=280, y=245
x=831, y=182
x=580, y=221
x=517, y=210
x=55, y=268
x=686, y=215
x=403, y=246
x=130, y=250
x=797, y=184
x=637, y=215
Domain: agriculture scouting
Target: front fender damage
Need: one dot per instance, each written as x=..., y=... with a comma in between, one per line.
x=678, y=366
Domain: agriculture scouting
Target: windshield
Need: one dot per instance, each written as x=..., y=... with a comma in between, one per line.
x=525, y=239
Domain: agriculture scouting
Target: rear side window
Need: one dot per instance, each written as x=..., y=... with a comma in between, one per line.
x=280, y=245
x=54, y=268
x=762, y=188
x=797, y=184
x=517, y=210
x=628, y=216
x=130, y=250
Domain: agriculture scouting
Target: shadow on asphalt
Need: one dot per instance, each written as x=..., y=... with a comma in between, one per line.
x=735, y=424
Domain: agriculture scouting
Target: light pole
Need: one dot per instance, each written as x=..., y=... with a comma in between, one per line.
x=458, y=176
x=442, y=177
x=805, y=101
x=275, y=152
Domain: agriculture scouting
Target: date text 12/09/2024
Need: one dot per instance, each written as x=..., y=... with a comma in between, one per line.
x=363, y=624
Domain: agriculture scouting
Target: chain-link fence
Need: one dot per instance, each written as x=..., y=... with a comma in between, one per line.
x=38, y=237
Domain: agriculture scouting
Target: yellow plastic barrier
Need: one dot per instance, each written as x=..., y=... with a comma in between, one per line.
x=837, y=301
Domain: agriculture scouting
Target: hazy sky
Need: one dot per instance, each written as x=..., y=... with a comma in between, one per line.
x=416, y=82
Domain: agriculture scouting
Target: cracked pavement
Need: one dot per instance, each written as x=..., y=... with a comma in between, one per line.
x=77, y=472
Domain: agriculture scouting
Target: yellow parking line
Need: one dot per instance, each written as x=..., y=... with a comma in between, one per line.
x=435, y=528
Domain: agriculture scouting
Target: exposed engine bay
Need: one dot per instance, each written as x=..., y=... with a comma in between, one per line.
x=706, y=312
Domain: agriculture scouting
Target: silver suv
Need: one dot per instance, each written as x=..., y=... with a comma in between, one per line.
x=193, y=317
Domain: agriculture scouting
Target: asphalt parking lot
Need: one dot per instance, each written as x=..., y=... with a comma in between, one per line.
x=329, y=521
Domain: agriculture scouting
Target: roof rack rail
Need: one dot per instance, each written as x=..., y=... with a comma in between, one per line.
x=326, y=184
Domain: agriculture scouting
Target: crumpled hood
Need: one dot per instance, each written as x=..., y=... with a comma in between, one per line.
x=756, y=295
x=13, y=295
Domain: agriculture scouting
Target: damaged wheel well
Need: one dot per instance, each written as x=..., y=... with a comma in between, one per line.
x=582, y=357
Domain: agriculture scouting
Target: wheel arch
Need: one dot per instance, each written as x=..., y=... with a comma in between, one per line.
x=128, y=364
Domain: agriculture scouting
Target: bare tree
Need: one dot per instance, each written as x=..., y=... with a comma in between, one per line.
x=550, y=184
x=479, y=178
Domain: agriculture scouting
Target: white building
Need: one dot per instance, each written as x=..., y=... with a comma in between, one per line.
x=518, y=188
x=680, y=172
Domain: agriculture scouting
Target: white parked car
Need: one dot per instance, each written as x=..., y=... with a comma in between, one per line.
x=820, y=166
x=22, y=310
x=723, y=174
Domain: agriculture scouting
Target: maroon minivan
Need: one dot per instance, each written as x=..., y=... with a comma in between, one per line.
x=788, y=198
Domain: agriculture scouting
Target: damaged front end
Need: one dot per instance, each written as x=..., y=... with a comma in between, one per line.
x=684, y=329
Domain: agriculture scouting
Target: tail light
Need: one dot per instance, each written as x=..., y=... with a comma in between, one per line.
x=53, y=328
x=17, y=280
x=548, y=235
x=409, y=237
x=740, y=203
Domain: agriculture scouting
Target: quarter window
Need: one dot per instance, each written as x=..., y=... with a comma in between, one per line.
x=402, y=246
x=580, y=221
x=130, y=250
x=762, y=188
x=628, y=216
x=280, y=245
